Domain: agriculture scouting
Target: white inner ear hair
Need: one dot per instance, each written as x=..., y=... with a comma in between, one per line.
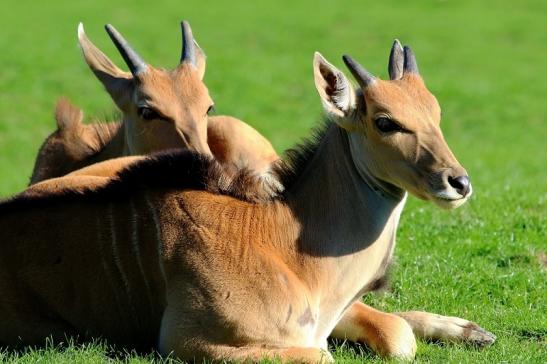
x=342, y=95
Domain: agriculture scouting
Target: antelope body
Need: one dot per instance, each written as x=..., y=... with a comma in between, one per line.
x=164, y=255
x=170, y=111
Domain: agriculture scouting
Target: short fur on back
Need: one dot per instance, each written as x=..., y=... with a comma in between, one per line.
x=174, y=169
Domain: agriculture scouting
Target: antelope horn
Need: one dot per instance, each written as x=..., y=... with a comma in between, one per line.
x=396, y=61
x=188, y=53
x=363, y=77
x=132, y=59
x=410, y=65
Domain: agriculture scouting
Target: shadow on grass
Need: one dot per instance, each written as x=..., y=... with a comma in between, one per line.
x=533, y=335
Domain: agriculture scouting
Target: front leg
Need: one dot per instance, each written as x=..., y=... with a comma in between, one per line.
x=430, y=326
x=392, y=335
x=387, y=334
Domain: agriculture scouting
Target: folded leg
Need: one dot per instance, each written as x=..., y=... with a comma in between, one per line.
x=387, y=334
x=430, y=326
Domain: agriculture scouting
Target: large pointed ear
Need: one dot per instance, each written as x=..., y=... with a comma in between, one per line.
x=336, y=93
x=67, y=116
x=118, y=83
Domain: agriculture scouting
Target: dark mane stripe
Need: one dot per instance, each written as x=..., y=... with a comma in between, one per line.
x=175, y=169
x=295, y=160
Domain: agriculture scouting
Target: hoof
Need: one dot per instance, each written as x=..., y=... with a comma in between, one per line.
x=476, y=335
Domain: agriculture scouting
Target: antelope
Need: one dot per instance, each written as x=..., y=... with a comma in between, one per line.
x=169, y=255
x=161, y=110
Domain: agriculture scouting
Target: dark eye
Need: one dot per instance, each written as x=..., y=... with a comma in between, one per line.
x=148, y=114
x=210, y=109
x=386, y=125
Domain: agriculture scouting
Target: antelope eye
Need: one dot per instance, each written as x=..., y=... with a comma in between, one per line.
x=210, y=109
x=386, y=125
x=148, y=114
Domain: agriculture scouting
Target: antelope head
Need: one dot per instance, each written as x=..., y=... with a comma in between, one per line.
x=162, y=109
x=393, y=128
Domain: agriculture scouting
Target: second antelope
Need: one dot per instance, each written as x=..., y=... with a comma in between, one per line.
x=161, y=110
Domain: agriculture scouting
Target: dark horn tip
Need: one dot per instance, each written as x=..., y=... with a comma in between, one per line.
x=348, y=60
x=410, y=61
x=185, y=25
x=188, y=53
x=408, y=52
x=396, y=61
x=109, y=28
x=363, y=77
x=112, y=32
x=131, y=58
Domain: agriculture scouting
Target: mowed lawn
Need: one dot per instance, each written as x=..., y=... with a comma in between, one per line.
x=485, y=61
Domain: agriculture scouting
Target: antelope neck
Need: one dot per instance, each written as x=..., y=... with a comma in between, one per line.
x=347, y=227
x=361, y=161
x=341, y=207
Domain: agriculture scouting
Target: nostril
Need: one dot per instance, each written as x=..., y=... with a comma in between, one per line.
x=460, y=184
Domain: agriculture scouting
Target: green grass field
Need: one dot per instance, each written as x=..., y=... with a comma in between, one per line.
x=485, y=62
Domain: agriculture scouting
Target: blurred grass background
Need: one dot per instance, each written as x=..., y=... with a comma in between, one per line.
x=485, y=61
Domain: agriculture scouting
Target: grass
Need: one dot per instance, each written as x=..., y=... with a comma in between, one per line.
x=485, y=61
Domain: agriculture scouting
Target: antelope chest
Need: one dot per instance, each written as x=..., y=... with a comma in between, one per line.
x=356, y=274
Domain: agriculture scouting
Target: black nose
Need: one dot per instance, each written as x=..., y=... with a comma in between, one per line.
x=460, y=184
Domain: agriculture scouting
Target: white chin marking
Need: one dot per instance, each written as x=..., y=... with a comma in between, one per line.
x=449, y=204
x=447, y=194
x=449, y=198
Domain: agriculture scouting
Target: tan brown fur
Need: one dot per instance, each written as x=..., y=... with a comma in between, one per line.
x=386, y=334
x=181, y=100
x=74, y=144
x=60, y=185
x=165, y=248
x=237, y=144
x=108, y=168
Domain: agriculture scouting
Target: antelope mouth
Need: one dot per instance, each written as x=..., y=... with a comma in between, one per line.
x=450, y=199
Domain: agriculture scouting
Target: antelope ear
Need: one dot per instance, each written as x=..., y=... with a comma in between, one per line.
x=115, y=81
x=336, y=93
x=67, y=115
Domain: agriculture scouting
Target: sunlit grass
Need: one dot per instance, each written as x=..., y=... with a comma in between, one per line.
x=485, y=61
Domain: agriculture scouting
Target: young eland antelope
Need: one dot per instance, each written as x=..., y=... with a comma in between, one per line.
x=164, y=255
x=161, y=110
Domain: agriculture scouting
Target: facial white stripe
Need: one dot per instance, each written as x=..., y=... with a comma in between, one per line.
x=159, y=241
